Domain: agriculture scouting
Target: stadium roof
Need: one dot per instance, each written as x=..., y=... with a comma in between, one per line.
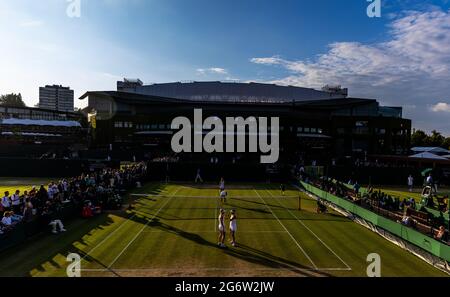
x=140, y=98
x=231, y=91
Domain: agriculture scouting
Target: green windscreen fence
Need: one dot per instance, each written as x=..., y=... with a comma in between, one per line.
x=410, y=235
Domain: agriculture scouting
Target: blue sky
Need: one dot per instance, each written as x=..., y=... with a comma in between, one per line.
x=402, y=58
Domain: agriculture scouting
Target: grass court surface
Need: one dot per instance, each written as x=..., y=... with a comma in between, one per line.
x=172, y=231
x=11, y=184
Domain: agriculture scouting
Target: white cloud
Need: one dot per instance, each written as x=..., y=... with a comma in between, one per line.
x=440, y=107
x=275, y=60
x=409, y=68
x=35, y=23
x=212, y=70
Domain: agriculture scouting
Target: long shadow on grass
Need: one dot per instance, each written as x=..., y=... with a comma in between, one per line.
x=144, y=216
x=244, y=253
x=40, y=251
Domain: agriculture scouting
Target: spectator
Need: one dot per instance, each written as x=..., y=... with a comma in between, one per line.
x=430, y=182
x=6, y=202
x=96, y=190
x=356, y=187
x=24, y=198
x=49, y=217
x=410, y=183
x=28, y=212
x=41, y=196
x=87, y=212
x=407, y=221
x=440, y=234
x=7, y=220
x=15, y=201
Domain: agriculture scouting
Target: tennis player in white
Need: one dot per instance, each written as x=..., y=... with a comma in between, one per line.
x=222, y=228
x=223, y=196
x=233, y=227
x=222, y=185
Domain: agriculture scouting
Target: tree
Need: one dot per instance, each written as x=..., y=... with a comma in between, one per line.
x=12, y=99
x=436, y=138
x=446, y=143
x=419, y=138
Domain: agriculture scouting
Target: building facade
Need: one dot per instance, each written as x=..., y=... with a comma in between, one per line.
x=321, y=125
x=56, y=97
x=28, y=132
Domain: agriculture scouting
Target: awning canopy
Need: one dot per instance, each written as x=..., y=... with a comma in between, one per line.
x=27, y=122
x=430, y=149
x=427, y=155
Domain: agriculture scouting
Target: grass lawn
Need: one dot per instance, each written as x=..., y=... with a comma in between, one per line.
x=172, y=231
x=12, y=184
x=402, y=192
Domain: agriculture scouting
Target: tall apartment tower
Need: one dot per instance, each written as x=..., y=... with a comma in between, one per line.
x=56, y=97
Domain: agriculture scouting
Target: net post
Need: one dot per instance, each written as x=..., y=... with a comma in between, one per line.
x=299, y=202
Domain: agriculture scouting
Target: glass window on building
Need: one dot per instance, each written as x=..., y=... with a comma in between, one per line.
x=361, y=130
x=381, y=131
x=362, y=124
x=340, y=131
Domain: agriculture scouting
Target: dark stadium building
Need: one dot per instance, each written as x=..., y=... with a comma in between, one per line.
x=27, y=132
x=134, y=121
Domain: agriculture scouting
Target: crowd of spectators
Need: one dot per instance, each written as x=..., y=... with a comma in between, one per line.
x=376, y=199
x=88, y=194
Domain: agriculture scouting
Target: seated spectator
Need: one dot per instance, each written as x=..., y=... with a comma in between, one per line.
x=15, y=217
x=87, y=211
x=407, y=221
x=440, y=234
x=7, y=220
x=403, y=204
x=49, y=217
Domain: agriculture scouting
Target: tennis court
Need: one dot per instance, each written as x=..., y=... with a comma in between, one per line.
x=172, y=230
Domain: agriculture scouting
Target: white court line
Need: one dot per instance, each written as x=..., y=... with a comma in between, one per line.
x=209, y=269
x=215, y=215
x=200, y=197
x=315, y=235
x=140, y=231
x=206, y=231
x=292, y=237
x=110, y=234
